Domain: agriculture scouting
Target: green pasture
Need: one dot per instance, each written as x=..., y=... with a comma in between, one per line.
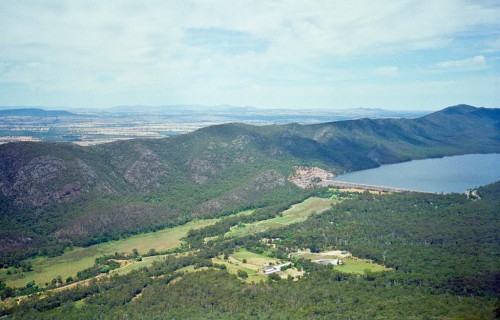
x=349, y=264
x=297, y=213
x=252, y=258
x=359, y=266
x=45, y=269
x=253, y=266
x=68, y=264
x=136, y=265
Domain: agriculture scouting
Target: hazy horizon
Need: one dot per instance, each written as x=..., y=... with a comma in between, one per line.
x=330, y=55
x=208, y=108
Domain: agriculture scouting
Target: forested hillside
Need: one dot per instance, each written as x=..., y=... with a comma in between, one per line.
x=442, y=249
x=57, y=195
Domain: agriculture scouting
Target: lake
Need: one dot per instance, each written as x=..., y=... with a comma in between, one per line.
x=442, y=175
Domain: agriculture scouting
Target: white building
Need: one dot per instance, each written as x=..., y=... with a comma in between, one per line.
x=277, y=268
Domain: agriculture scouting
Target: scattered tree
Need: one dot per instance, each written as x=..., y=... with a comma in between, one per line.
x=242, y=274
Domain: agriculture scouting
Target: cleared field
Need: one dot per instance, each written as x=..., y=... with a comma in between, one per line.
x=192, y=269
x=45, y=269
x=253, y=258
x=359, y=266
x=135, y=265
x=253, y=266
x=233, y=267
x=297, y=213
x=349, y=264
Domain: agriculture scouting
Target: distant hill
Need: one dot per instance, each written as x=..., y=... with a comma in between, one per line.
x=53, y=195
x=248, y=112
x=35, y=112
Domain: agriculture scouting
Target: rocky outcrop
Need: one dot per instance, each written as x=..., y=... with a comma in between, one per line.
x=306, y=177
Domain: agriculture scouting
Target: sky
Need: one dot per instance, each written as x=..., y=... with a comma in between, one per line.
x=396, y=55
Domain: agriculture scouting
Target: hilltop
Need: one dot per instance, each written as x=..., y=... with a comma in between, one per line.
x=54, y=195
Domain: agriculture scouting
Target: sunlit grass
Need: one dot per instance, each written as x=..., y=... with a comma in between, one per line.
x=359, y=266
x=45, y=269
x=297, y=213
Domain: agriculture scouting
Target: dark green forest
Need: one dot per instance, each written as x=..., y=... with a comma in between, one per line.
x=442, y=250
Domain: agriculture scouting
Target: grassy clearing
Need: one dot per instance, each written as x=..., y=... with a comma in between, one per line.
x=254, y=265
x=297, y=213
x=45, y=269
x=349, y=264
x=359, y=266
x=135, y=265
x=253, y=258
x=232, y=264
x=192, y=269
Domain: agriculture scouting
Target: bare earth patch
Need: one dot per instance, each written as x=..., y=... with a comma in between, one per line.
x=306, y=177
x=357, y=190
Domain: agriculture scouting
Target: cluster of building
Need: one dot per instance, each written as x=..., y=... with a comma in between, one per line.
x=270, y=269
x=276, y=268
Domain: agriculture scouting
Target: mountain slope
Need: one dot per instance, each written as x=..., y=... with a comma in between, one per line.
x=54, y=195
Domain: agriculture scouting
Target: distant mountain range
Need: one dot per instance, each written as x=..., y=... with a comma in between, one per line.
x=234, y=111
x=35, y=112
x=53, y=195
x=252, y=111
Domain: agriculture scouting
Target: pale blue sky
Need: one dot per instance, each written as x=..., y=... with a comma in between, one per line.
x=408, y=54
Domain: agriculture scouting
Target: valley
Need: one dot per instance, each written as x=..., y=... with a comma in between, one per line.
x=153, y=247
x=76, y=259
x=396, y=242
x=88, y=195
x=203, y=216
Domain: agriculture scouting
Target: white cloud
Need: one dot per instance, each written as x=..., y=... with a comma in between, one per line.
x=100, y=47
x=474, y=63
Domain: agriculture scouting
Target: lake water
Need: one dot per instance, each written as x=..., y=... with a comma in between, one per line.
x=446, y=175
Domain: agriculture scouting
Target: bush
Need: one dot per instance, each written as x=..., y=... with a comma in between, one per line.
x=274, y=276
x=242, y=274
x=106, y=269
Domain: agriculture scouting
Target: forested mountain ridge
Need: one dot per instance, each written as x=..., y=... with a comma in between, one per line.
x=53, y=195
